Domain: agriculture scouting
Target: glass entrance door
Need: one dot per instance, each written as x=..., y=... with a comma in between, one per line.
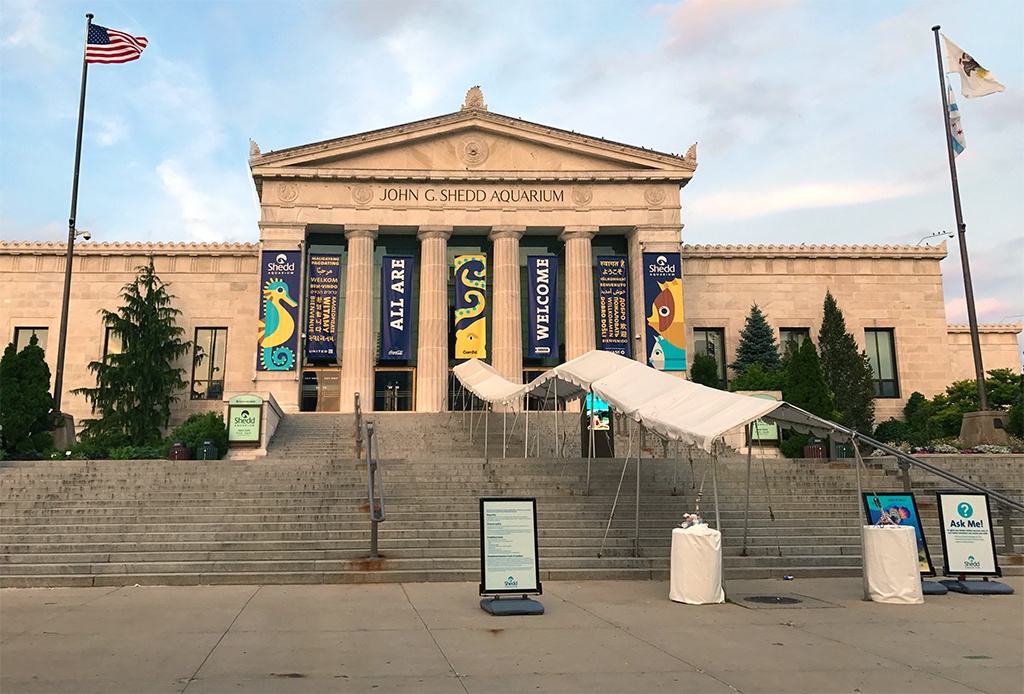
x=321, y=390
x=394, y=389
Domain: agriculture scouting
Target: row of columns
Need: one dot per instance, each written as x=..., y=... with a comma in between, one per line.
x=432, y=348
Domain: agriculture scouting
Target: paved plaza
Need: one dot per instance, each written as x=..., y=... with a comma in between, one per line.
x=601, y=636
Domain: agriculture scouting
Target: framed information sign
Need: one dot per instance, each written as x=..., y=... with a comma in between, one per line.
x=967, y=541
x=902, y=510
x=508, y=546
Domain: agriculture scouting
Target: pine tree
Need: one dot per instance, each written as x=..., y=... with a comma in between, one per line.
x=705, y=371
x=25, y=401
x=847, y=371
x=805, y=387
x=134, y=389
x=757, y=344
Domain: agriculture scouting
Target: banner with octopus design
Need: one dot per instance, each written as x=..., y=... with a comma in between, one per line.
x=470, y=307
x=663, y=299
x=278, y=339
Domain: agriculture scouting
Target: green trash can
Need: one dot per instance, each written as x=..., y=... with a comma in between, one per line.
x=207, y=450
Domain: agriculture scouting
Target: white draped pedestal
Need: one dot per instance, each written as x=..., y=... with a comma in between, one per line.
x=892, y=573
x=696, y=574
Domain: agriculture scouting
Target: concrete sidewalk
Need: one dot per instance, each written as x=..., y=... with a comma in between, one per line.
x=614, y=636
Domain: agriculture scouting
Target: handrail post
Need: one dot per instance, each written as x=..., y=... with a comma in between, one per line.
x=1007, y=530
x=905, y=474
x=359, y=428
x=377, y=513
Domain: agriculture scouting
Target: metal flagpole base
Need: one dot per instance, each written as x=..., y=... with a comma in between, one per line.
x=511, y=606
x=985, y=587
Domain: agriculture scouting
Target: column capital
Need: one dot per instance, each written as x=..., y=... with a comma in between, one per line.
x=433, y=231
x=578, y=232
x=656, y=233
x=361, y=231
x=506, y=231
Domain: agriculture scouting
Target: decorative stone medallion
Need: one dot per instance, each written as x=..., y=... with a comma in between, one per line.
x=473, y=151
x=288, y=192
x=654, y=195
x=362, y=194
x=582, y=195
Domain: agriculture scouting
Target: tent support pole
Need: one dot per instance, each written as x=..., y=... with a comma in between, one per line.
x=639, y=459
x=718, y=517
x=746, y=506
x=558, y=450
x=487, y=426
x=590, y=428
x=618, y=489
x=526, y=437
x=860, y=491
x=504, y=443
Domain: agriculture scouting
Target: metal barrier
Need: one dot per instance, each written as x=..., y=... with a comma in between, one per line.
x=377, y=514
x=359, y=428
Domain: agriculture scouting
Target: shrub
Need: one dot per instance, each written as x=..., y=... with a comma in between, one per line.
x=122, y=453
x=705, y=371
x=209, y=425
x=892, y=430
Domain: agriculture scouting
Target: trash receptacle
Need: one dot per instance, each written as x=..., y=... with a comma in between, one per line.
x=815, y=448
x=844, y=450
x=179, y=451
x=207, y=450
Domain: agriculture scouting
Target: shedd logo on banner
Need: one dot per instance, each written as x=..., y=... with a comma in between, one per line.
x=661, y=266
x=281, y=264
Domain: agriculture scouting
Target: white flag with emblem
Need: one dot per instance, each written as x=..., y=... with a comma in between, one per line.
x=974, y=79
x=955, y=129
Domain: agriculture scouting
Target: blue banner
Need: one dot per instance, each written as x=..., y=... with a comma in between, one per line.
x=613, y=303
x=470, y=307
x=322, y=320
x=663, y=305
x=278, y=338
x=396, y=307
x=542, y=306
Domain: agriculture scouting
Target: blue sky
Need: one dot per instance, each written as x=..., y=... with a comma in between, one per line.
x=816, y=122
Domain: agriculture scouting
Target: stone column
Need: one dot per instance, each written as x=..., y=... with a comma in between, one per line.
x=432, y=343
x=507, y=354
x=579, y=290
x=357, y=343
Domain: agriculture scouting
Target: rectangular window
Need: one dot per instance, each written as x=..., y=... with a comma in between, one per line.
x=881, y=348
x=208, y=356
x=112, y=343
x=711, y=341
x=23, y=335
x=790, y=339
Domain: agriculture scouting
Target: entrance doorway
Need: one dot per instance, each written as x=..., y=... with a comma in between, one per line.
x=321, y=390
x=394, y=389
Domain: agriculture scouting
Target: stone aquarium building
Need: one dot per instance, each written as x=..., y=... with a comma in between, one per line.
x=388, y=257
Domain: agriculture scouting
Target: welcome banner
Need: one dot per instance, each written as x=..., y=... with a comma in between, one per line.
x=395, y=307
x=322, y=322
x=542, y=306
x=613, y=303
x=278, y=339
x=663, y=302
x=470, y=307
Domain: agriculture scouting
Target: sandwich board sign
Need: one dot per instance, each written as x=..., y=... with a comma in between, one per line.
x=967, y=540
x=508, y=547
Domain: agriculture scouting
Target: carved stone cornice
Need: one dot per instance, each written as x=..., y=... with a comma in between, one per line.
x=118, y=248
x=288, y=173
x=803, y=251
x=1002, y=328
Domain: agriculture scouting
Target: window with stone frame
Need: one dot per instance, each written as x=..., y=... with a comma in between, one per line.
x=711, y=341
x=22, y=336
x=790, y=339
x=208, y=356
x=112, y=343
x=881, y=349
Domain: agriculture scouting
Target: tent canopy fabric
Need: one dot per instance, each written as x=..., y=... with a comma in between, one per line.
x=674, y=408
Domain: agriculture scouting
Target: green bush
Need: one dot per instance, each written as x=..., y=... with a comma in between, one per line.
x=892, y=430
x=705, y=371
x=209, y=425
x=792, y=444
x=122, y=453
x=1016, y=425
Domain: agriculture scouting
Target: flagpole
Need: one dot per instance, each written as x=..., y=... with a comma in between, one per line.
x=58, y=378
x=972, y=317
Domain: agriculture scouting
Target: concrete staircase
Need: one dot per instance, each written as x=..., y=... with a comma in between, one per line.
x=300, y=514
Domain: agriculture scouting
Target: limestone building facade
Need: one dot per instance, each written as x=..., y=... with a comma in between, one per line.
x=345, y=218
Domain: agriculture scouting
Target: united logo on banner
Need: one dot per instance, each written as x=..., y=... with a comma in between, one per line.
x=322, y=322
x=663, y=299
x=470, y=307
x=396, y=287
x=542, y=304
x=278, y=339
x=613, y=303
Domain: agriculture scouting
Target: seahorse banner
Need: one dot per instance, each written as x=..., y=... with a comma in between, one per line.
x=613, y=303
x=395, y=305
x=470, y=307
x=542, y=305
x=322, y=323
x=278, y=339
x=663, y=302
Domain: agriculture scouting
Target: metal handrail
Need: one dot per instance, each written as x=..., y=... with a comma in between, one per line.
x=359, y=428
x=377, y=513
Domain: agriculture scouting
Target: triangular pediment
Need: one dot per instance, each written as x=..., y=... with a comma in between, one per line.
x=473, y=141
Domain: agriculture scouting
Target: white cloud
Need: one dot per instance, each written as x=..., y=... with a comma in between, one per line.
x=26, y=36
x=988, y=309
x=205, y=217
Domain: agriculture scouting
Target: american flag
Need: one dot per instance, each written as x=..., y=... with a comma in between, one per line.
x=109, y=46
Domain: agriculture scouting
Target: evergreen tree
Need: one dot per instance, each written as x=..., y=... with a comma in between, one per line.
x=847, y=371
x=757, y=344
x=134, y=389
x=805, y=387
x=705, y=371
x=25, y=401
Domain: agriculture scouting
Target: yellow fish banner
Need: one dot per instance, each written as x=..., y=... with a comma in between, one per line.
x=470, y=307
x=663, y=297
